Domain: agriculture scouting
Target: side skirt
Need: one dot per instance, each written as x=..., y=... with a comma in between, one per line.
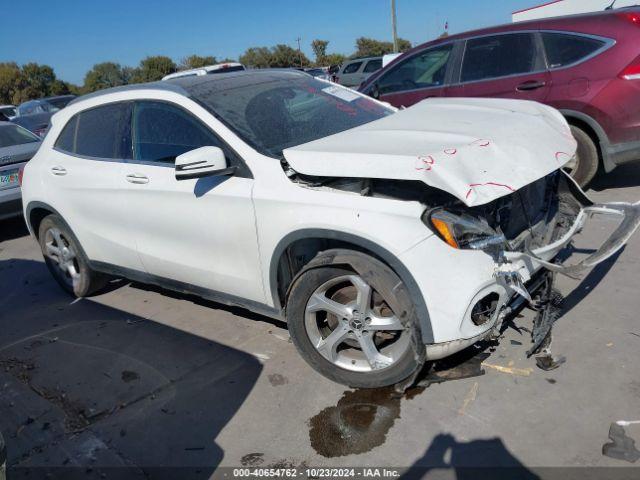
x=187, y=288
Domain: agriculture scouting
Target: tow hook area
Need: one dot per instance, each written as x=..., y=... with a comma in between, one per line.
x=548, y=307
x=512, y=278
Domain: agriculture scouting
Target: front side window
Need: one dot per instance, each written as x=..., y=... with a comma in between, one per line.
x=352, y=68
x=101, y=132
x=499, y=56
x=162, y=131
x=15, y=135
x=565, y=49
x=424, y=70
x=274, y=112
x=373, y=66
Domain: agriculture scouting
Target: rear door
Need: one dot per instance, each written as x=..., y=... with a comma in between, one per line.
x=423, y=75
x=371, y=67
x=350, y=75
x=85, y=168
x=507, y=65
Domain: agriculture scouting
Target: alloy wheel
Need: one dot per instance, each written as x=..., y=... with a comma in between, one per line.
x=352, y=326
x=60, y=251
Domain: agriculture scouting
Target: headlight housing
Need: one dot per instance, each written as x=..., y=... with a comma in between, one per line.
x=463, y=231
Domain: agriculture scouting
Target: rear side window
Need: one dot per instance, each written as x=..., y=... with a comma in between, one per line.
x=499, y=56
x=565, y=49
x=101, y=132
x=161, y=132
x=423, y=70
x=352, y=67
x=373, y=66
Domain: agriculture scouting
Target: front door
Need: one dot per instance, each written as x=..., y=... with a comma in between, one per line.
x=423, y=75
x=201, y=231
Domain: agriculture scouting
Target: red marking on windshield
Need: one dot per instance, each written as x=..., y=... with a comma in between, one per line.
x=560, y=154
x=481, y=143
x=451, y=151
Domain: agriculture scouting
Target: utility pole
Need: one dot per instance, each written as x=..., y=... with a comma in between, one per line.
x=299, y=51
x=393, y=26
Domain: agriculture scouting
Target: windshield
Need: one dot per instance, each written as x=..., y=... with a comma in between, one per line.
x=274, y=112
x=8, y=111
x=15, y=135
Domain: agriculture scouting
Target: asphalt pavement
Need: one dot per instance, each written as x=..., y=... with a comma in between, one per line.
x=147, y=379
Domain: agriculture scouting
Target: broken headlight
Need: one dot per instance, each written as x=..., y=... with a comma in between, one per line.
x=463, y=231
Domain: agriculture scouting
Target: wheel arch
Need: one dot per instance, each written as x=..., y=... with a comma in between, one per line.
x=592, y=128
x=314, y=241
x=35, y=213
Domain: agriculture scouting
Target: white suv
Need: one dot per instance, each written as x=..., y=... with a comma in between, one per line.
x=384, y=238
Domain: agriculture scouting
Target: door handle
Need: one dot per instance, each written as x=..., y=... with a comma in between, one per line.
x=530, y=85
x=58, y=170
x=137, y=178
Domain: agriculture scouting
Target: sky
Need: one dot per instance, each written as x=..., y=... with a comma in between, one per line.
x=73, y=35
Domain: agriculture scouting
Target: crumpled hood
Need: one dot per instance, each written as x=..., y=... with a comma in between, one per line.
x=476, y=149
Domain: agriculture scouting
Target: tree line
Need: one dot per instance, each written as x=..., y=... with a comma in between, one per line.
x=19, y=83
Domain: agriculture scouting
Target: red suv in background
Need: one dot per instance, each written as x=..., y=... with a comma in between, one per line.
x=586, y=66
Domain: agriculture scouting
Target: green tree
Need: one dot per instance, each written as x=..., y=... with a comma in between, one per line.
x=280, y=56
x=38, y=79
x=11, y=82
x=58, y=87
x=369, y=47
x=283, y=56
x=256, y=57
x=153, y=68
x=196, y=61
x=319, y=48
x=334, y=59
x=105, y=75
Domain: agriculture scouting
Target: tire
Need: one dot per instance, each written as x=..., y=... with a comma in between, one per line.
x=587, y=158
x=401, y=355
x=66, y=260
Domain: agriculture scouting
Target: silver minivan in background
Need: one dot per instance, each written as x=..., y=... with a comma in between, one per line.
x=353, y=72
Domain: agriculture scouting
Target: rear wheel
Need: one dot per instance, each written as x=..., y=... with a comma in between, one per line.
x=585, y=165
x=346, y=330
x=66, y=260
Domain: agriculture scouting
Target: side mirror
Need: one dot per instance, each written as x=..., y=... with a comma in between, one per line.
x=202, y=162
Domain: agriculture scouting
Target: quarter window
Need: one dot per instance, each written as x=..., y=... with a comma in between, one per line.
x=161, y=132
x=352, y=68
x=101, y=132
x=424, y=70
x=565, y=49
x=499, y=56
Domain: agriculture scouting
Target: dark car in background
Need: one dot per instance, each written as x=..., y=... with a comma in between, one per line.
x=35, y=115
x=17, y=147
x=587, y=66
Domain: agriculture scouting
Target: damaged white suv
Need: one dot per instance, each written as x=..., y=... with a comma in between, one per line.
x=384, y=238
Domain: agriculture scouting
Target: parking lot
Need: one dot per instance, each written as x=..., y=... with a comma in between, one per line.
x=144, y=378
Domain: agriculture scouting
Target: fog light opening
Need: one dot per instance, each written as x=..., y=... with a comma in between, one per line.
x=484, y=310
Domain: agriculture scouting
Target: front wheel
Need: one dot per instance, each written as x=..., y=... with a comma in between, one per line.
x=347, y=331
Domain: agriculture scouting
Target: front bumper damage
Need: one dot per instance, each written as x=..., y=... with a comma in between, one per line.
x=549, y=301
x=630, y=214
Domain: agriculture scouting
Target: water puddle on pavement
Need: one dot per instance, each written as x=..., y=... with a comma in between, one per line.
x=361, y=419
